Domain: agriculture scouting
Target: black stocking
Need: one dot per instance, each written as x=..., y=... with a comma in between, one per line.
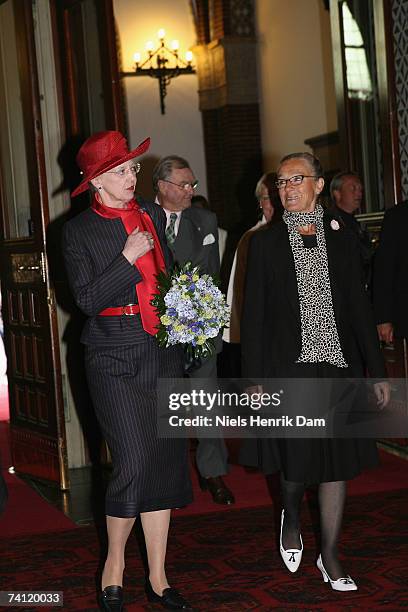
x=292, y=495
x=332, y=496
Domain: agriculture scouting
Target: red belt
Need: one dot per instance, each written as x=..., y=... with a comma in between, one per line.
x=117, y=311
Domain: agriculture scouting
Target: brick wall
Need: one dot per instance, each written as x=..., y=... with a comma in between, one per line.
x=203, y=22
x=229, y=104
x=234, y=165
x=219, y=17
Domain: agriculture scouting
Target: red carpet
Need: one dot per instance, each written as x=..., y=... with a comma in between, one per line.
x=230, y=562
x=223, y=559
x=251, y=488
x=4, y=402
x=26, y=511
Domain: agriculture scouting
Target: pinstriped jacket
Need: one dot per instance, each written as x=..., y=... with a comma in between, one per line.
x=101, y=277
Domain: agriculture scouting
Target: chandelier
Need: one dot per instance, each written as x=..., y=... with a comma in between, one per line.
x=162, y=64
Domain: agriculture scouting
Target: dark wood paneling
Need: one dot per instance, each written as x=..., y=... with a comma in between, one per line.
x=29, y=323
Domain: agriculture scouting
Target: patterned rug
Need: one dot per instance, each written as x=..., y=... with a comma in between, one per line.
x=230, y=561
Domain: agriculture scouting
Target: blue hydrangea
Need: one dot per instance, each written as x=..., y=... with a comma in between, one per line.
x=197, y=309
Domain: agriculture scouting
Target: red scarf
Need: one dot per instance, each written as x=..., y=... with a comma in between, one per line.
x=149, y=265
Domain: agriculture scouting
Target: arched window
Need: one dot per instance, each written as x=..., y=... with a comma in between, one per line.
x=358, y=76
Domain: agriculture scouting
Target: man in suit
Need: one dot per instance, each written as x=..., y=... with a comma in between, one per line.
x=346, y=191
x=390, y=287
x=199, y=201
x=192, y=235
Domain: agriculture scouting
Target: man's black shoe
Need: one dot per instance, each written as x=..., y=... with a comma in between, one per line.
x=218, y=489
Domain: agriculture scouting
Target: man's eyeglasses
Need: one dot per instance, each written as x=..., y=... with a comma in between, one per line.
x=297, y=179
x=122, y=172
x=185, y=186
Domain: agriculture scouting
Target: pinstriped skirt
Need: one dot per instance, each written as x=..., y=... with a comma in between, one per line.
x=149, y=473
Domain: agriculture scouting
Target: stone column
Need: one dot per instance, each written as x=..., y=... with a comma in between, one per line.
x=228, y=95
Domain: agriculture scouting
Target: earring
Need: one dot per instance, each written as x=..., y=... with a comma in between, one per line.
x=100, y=188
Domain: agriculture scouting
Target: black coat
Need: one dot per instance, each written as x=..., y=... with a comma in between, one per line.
x=270, y=324
x=390, y=279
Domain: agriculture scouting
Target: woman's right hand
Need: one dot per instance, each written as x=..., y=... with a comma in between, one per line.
x=137, y=244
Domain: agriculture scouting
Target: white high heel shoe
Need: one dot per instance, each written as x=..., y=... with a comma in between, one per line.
x=291, y=556
x=341, y=584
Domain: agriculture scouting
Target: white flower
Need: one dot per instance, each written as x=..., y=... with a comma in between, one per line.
x=334, y=225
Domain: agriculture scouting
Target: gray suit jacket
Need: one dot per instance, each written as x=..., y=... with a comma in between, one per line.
x=197, y=240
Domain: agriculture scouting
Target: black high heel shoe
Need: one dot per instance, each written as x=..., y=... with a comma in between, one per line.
x=170, y=598
x=111, y=599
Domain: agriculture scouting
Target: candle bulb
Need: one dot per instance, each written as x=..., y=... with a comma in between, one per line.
x=163, y=61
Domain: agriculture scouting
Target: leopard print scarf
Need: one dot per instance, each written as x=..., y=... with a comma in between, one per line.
x=320, y=338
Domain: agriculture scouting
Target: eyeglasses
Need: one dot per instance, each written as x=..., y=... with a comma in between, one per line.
x=264, y=198
x=122, y=172
x=293, y=180
x=185, y=186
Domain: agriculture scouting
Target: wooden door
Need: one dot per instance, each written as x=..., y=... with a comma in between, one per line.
x=37, y=426
x=92, y=92
x=92, y=100
x=362, y=37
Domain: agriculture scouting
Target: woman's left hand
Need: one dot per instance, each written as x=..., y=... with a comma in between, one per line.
x=382, y=391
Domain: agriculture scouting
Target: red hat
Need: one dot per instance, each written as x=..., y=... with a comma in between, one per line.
x=102, y=152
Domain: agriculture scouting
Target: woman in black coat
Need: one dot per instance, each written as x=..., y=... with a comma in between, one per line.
x=306, y=315
x=113, y=253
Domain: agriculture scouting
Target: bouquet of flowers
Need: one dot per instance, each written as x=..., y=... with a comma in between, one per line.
x=192, y=310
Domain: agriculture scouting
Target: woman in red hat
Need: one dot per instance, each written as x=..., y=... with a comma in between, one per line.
x=113, y=252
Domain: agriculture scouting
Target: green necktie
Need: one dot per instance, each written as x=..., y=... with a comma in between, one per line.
x=170, y=233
